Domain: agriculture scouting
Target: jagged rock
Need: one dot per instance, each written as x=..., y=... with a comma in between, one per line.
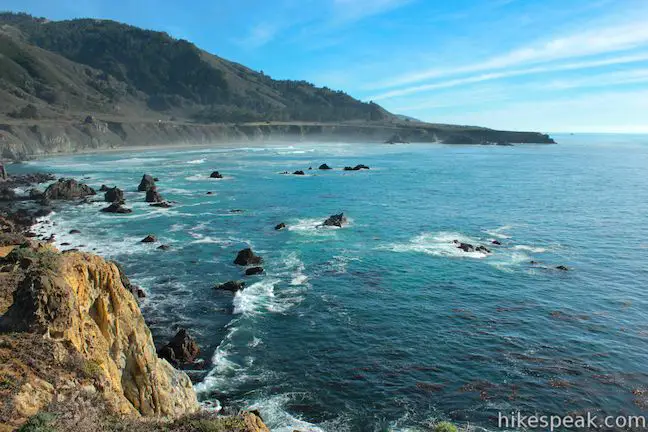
x=163, y=204
x=103, y=188
x=114, y=195
x=300, y=172
x=116, y=208
x=253, y=271
x=280, y=226
x=164, y=247
x=90, y=319
x=36, y=194
x=67, y=189
x=246, y=257
x=7, y=194
x=324, y=167
x=356, y=168
x=562, y=267
x=216, y=175
x=336, y=220
x=149, y=239
x=181, y=349
x=153, y=196
x=466, y=247
x=231, y=286
x=42, y=212
x=482, y=249
x=146, y=183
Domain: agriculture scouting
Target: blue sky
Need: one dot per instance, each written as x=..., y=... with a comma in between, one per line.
x=549, y=65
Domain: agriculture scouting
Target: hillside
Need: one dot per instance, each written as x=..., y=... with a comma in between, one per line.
x=90, y=84
x=124, y=69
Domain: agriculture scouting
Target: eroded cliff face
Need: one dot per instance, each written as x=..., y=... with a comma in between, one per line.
x=23, y=140
x=78, y=304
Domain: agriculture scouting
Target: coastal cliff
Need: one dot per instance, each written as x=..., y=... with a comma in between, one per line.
x=22, y=140
x=73, y=342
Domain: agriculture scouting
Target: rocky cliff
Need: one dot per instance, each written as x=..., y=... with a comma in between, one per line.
x=73, y=341
x=20, y=140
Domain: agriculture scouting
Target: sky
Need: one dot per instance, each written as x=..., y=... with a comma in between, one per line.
x=547, y=65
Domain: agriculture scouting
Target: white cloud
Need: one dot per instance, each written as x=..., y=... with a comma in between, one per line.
x=259, y=35
x=512, y=73
x=590, y=42
x=353, y=10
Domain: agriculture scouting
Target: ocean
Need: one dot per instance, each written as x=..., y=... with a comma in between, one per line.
x=384, y=324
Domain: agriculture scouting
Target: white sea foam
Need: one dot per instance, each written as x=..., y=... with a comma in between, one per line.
x=279, y=420
x=530, y=248
x=196, y=161
x=438, y=244
x=314, y=226
x=499, y=232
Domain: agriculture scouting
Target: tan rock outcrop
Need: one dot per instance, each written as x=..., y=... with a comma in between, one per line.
x=84, y=304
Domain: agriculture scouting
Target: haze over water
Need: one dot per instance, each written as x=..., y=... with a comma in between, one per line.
x=384, y=324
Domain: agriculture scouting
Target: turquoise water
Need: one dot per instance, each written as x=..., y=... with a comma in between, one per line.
x=384, y=324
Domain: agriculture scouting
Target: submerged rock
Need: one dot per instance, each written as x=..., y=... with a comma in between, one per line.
x=253, y=271
x=497, y=243
x=114, y=194
x=153, y=196
x=146, y=183
x=68, y=189
x=216, y=175
x=116, y=208
x=149, y=239
x=75, y=231
x=164, y=247
x=163, y=204
x=246, y=257
x=181, y=349
x=280, y=226
x=231, y=286
x=466, y=247
x=562, y=267
x=325, y=167
x=300, y=172
x=336, y=220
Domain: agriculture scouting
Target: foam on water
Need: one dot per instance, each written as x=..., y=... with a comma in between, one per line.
x=279, y=420
x=196, y=161
x=499, y=232
x=438, y=244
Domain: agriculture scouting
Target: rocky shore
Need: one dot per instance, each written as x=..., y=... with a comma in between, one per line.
x=23, y=140
x=75, y=350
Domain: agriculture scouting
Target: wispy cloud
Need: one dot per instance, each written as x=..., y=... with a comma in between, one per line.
x=354, y=10
x=612, y=39
x=512, y=73
x=259, y=35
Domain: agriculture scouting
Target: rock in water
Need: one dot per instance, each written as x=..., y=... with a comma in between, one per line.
x=103, y=188
x=300, y=172
x=247, y=257
x=75, y=231
x=482, y=249
x=216, y=175
x=336, y=220
x=231, y=286
x=146, y=183
x=7, y=194
x=164, y=247
x=116, y=208
x=153, y=196
x=396, y=139
x=497, y=243
x=149, y=239
x=280, y=226
x=562, y=267
x=466, y=247
x=68, y=189
x=181, y=349
x=253, y=271
x=113, y=195
x=162, y=204
x=325, y=167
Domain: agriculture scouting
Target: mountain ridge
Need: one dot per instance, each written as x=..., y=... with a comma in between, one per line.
x=82, y=84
